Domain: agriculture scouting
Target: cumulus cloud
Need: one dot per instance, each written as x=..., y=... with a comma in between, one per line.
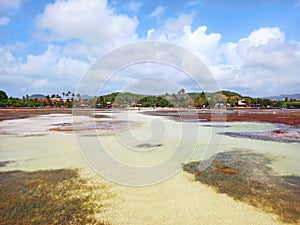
x=201, y=43
x=38, y=65
x=262, y=63
x=263, y=36
x=53, y=65
x=90, y=21
x=264, y=47
x=7, y=62
x=158, y=10
x=44, y=73
x=179, y=31
x=4, y=21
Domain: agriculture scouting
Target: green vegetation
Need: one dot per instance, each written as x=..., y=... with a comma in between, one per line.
x=230, y=94
x=291, y=105
x=248, y=177
x=182, y=99
x=37, y=100
x=3, y=96
x=50, y=197
x=126, y=99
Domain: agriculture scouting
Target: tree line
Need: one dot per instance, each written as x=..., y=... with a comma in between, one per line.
x=127, y=99
x=54, y=100
x=195, y=100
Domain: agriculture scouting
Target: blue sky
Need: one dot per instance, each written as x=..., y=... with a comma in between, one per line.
x=252, y=47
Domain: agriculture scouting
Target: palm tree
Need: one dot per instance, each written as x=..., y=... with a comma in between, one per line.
x=181, y=91
x=48, y=100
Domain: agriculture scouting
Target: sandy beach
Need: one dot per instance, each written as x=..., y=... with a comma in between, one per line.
x=29, y=144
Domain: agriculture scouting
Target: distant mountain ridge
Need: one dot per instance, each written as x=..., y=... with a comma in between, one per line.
x=38, y=96
x=283, y=96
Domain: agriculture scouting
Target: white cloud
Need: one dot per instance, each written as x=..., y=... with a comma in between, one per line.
x=90, y=21
x=39, y=65
x=7, y=61
x=261, y=64
x=263, y=36
x=53, y=65
x=264, y=47
x=178, y=31
x=45, y=73
x=4, y=21
x=172, y=29
x=159, y=10
x=201, y=43
x=5, y=4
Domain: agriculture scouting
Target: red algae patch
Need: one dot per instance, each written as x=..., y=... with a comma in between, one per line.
x=287, y=117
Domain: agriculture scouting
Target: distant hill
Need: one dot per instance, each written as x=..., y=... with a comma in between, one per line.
x=282, y=97
x=209, y=94
x=38, y=96
x=228, y=93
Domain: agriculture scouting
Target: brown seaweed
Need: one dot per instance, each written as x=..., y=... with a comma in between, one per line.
x=248, y=177
x=50, y=197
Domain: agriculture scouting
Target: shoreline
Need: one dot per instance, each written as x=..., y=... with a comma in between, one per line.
x=22, y=113
x=286, y=117
x=278, y=116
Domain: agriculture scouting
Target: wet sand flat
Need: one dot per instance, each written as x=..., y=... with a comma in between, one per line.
x=178, y=200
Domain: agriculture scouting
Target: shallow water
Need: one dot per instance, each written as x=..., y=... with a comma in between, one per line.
x=150, y=142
